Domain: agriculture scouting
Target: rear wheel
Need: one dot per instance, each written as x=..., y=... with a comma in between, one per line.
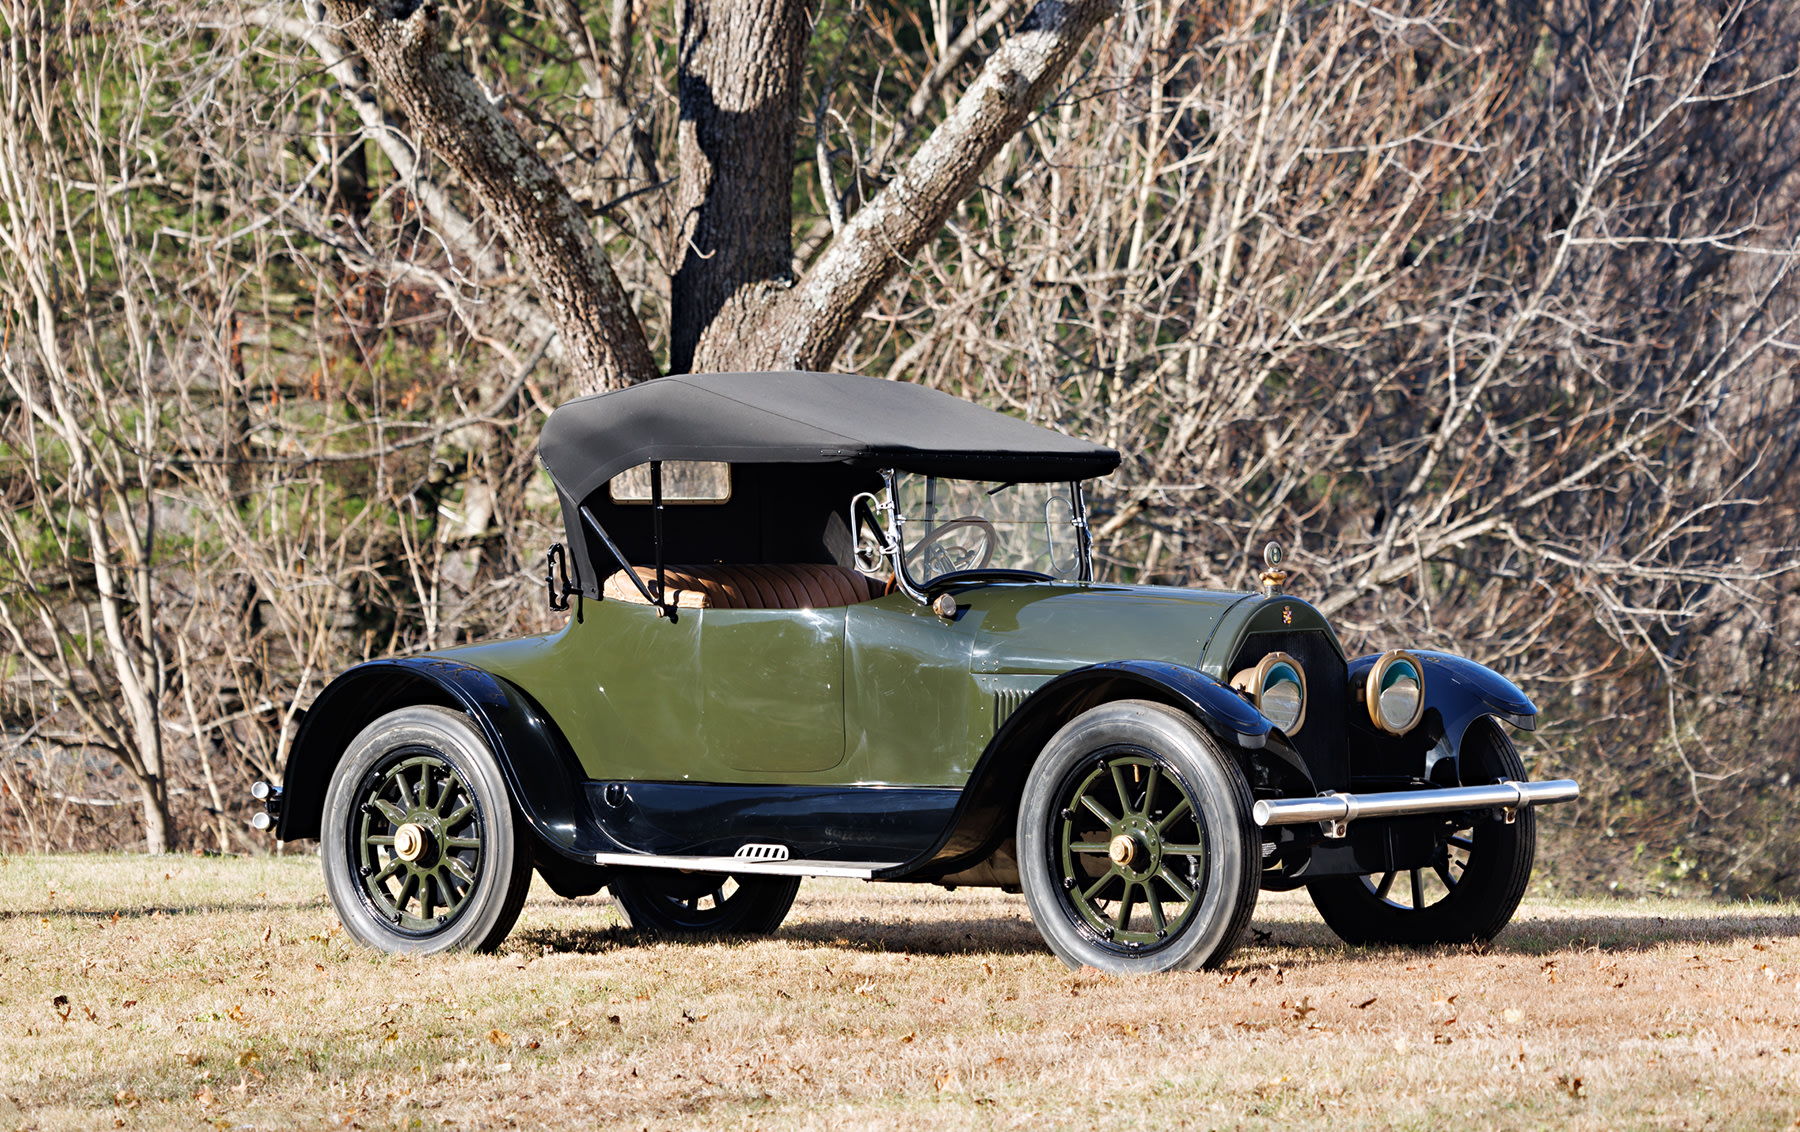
x=669, y=902
x=1136, y=848
x=1473, y=884
x=421, y=847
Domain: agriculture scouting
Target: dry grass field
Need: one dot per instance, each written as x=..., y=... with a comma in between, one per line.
x=188, y=992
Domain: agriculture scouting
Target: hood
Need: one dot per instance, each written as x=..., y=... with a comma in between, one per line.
x=1049, y=628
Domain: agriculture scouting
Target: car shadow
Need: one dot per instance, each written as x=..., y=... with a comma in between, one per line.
x=1289, y=943
x=151, y=911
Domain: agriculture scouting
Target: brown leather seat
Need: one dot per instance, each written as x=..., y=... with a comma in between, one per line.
x=801, y=585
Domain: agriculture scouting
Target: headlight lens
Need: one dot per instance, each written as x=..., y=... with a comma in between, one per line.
x=1277, y=686
x=1395, y=692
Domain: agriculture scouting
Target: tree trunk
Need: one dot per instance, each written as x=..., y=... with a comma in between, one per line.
x=739, y=85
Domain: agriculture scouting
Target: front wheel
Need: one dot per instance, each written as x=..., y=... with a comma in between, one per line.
x=1136, y=848
x=422, y=849
x=669, y=902
x=1474, y=883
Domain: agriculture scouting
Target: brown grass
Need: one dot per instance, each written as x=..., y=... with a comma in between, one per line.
x=183, y=992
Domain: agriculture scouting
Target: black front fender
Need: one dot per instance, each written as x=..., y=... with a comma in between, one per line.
x=983, y=816
x=1458, y=692
x=541, y=771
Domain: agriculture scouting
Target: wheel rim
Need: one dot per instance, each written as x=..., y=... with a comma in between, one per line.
x=1130, y=850
x=416, y=841
x=1417, y=890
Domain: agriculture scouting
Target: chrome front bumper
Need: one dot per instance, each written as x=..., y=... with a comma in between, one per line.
x=1336, y=811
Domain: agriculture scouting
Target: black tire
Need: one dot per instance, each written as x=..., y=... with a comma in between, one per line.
x=1122, y=771
x=668, y=902
x=1472, y=889
x=428, y=768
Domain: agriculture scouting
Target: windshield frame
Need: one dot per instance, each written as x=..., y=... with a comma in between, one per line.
x=895, y=548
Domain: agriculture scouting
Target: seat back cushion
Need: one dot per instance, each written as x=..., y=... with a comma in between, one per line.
x=800, y=585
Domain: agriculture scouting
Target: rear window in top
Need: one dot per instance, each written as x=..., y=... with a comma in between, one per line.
x=683, y=481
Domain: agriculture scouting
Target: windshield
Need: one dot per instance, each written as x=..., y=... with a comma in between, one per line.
x=957, y=525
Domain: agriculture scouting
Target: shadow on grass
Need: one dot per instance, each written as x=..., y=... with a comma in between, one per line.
x=148, y=911
x=1288, y=943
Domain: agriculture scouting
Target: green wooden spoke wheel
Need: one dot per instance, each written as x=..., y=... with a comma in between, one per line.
x=422, y=850
x=1137, y=852
x=1132, y=849
x=1472, y=884
x=418, y=840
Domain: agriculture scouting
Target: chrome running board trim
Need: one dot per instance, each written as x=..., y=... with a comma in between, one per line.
x=859, y=870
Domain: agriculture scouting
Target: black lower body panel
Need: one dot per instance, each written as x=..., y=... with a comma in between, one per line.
x=843, y=823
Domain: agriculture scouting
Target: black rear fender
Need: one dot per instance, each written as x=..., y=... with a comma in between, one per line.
x=541, y=771
x=990, y=801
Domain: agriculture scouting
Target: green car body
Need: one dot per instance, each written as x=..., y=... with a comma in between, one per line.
x=905, y=736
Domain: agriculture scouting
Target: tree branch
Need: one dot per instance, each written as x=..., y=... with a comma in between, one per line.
x=604, y=343
x=809, y=323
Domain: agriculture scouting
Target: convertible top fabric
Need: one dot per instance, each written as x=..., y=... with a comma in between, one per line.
x=803, y=418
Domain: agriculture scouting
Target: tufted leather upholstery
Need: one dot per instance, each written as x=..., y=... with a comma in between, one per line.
x=803, y=585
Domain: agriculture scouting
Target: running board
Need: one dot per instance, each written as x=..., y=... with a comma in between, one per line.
x=744, y=866
x=1336, y=811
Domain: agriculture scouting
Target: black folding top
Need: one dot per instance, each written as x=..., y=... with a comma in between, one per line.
x=804, y=418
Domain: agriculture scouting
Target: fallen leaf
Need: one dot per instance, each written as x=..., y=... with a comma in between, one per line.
x=1366, y=1003
x=499, y=1038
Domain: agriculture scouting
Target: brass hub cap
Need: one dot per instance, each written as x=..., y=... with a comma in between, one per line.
x=409, y=842
x=1123, y=849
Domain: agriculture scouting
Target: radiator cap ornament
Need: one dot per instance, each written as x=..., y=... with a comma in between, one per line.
x=1273, y=577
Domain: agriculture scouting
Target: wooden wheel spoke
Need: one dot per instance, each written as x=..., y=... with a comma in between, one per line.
x=455, y=867
x=1151, y=778
x=1088, y=847
x=387, y=809
x=1386, y=885
x=1088, y=892
x=1157, y=920
x=1127, y=905
x=1443, y=871
x=1118, y=778
x=1170, y=818
x=1173, y=850
x=1418, y=889
x=392, y=867
x=1175, y=884
x=459, y=815
x=1098, y=810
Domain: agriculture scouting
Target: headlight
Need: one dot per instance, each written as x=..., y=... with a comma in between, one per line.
x=1277, y=686
x=1394, y=692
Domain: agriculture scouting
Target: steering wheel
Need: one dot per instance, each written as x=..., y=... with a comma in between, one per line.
x=939, y=559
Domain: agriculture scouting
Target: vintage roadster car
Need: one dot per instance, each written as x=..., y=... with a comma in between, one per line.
x=826, y=625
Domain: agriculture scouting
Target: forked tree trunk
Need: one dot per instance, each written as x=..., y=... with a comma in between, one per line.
x=735, y=304
x=739, y=84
